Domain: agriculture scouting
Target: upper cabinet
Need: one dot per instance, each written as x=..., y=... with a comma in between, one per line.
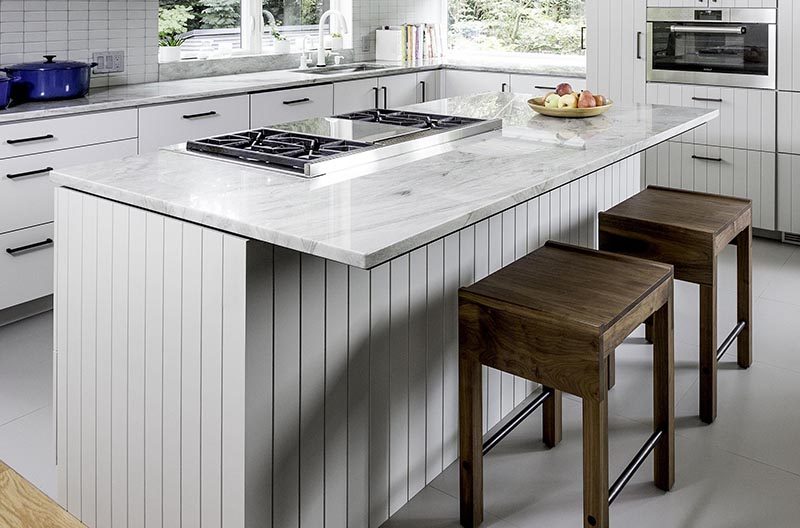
x=616, y=60
x=712, y=3
x=788, y=43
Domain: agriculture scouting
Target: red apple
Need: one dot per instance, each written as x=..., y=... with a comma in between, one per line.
x=564, y=89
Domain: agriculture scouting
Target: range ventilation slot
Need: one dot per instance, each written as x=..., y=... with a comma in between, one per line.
x=792, y=238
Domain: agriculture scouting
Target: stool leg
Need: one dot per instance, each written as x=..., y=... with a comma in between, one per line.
x=708, y=348
x=744, y=284
x=551, y=417
x=664, y=395
x=470, y=423
x=648, y=330
x=595, y=463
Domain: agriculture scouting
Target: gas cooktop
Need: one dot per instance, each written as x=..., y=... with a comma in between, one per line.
x=320, y=146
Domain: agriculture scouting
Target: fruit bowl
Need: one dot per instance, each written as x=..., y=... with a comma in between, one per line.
x=537, y=104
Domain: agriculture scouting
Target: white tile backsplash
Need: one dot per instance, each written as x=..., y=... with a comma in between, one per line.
x=369, y=15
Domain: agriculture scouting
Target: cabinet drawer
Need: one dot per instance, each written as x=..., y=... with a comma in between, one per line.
x=283, y=106
x=352, y=96
x=789, y=193
x=542, y=84
x=26, y=275
x=724, y=171
x=458, y=82
x=26, y=193
x=428, y=86
x=747, y=117
x=163, y=125
x=33, y=137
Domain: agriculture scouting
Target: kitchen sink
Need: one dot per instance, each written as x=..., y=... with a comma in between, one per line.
x=344, y=68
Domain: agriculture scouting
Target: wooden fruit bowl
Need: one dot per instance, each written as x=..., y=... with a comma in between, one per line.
x=537, y=103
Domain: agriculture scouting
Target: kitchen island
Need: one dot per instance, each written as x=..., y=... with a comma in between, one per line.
x=237, y=346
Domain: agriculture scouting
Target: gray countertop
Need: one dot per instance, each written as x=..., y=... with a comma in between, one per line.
x=135, y=95
x=375, y=213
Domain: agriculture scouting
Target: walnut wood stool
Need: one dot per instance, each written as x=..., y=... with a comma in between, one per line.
x=552, y=318
x=689, y=230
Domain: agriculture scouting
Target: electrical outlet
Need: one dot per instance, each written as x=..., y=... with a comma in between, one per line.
x=109, y=61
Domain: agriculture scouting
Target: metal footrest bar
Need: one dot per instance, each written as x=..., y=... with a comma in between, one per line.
x=635, y=464
x=730, y=339
x=514, y=422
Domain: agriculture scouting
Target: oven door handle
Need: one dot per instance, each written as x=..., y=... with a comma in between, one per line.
x=740, y=30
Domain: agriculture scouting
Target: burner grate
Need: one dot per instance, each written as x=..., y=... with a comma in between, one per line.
x=410, y=119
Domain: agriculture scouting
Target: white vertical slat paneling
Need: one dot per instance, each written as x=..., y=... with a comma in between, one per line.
x=509, y=224
x=379, y=364
x=104, y=361
x=358, y=401
x=520, y=250
x=136, y=365
x=336, y=390
x=450, y=352
x=73, y=362
x=435, y=370
x=234, y=370
x=119, y=368
x=398, y=383
x=89, y=364
x=789, y=193
x=788, y=60
x=481, y=270
x=789, y=122
x=211, y=381
x=154, y=379
x=312, y=391
x=417, y=373
x=191, y=375
x=61, y=289
x=286, y=454
x=172, y=364
x=494, y=380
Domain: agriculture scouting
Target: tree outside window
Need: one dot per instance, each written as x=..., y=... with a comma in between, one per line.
x=522, y=26
x=226, y=14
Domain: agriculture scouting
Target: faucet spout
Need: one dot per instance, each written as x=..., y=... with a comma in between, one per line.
x=321, y=62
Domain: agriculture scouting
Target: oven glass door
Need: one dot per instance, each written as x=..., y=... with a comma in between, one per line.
x=711, y=47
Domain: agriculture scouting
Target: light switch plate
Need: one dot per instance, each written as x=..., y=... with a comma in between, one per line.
x=109, y=61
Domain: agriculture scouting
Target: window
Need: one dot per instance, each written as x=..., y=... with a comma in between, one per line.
x=520, y=26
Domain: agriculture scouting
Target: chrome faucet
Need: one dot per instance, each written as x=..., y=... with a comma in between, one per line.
x=321, y=56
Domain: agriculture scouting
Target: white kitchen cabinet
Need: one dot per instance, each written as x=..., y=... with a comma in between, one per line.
x=616, y=49
x=397, y=90
x=747, y=117
x=26, y=193
x=712, y=3
x=543, y=84
x=352, y=96
x=26, y=265
x=33, y=137
x=460, y=82
x=428, y=86
x=162, y=125
x=725, y=171
x=283, y=106
x=789, y=193
x=789, y=122
x=788, y=58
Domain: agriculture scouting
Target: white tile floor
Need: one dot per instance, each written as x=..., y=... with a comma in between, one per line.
x=743, y=471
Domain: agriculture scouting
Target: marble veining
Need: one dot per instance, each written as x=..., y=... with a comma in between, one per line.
x=135, y=95
x=372, y=214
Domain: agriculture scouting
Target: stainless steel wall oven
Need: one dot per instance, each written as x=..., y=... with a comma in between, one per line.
x=722, y=47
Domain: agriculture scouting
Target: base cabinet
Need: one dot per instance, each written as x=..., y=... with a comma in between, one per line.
x=283, y=106
x=459, y=82
x=726, y=171
x=789, y=193
x=26, y=264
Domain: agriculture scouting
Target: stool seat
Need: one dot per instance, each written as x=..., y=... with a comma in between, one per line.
x=689, y=230
x=553, y=317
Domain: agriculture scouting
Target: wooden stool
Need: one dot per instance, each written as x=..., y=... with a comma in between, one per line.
x=552, y=318
x=689, y=230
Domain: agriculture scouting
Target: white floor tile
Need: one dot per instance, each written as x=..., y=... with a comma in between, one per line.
x=785, y=283
x=24, y=387
x=431, y=508
x=769, y=257
x=26, y=444
x=776, y=334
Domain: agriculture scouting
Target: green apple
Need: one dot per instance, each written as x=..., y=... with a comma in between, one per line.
x=568, y=101
x=552, y=101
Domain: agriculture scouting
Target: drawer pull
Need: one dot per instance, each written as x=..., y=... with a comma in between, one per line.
x=424, y=91
x=551, y=88
x=703, y=158
x=30, y=247
x=28, y=140
x=297, y=101
x=29, y=173
x=203, y=114
x=706, y=100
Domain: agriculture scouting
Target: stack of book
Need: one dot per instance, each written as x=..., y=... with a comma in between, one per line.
x=409, y=42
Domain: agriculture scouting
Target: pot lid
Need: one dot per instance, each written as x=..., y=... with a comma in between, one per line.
x=49, y=64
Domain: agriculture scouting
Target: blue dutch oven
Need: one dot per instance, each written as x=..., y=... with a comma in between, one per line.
x=49, y=80
x=5, y=91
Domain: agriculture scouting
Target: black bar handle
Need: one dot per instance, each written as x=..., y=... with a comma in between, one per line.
x=706, y=99
x=424, y=90
x=638, y=44
x=385, y=97
x=583, y=37
x=202, y=114
x=297, y=101
x=703, y=158
x=551, y=88
x=30, y=247
x=28, y=140
x=29, y=173
x=375, y=91
x=503, y=87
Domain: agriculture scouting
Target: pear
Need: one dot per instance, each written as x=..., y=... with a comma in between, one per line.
x=568, y=101
x=600, y=100
x=552, y=101
x=586, y=100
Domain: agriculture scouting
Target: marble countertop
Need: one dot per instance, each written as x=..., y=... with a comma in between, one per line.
x=135, y=95
x=374, y=213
